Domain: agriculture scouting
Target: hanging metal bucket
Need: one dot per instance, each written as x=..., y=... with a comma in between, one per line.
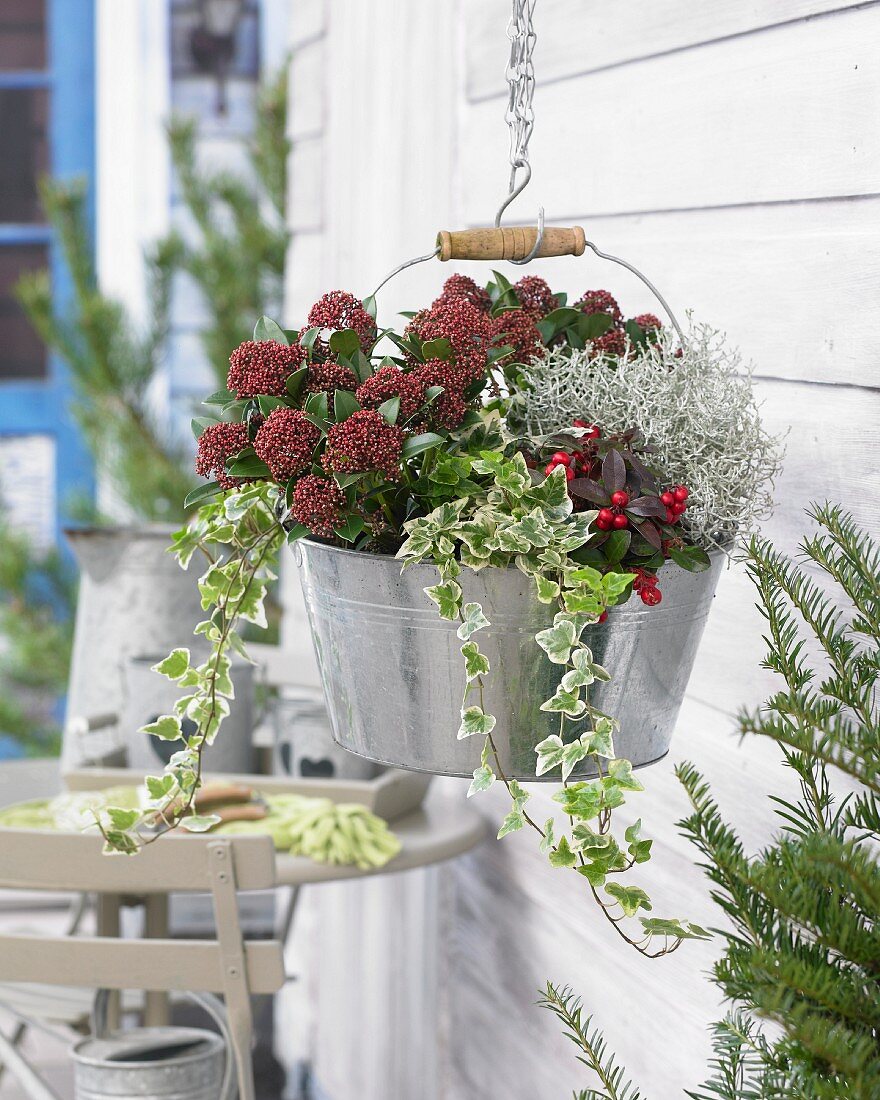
x=393, y=675
x=157, y=1063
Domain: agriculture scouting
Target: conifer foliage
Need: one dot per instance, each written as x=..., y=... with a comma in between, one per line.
x=801, y=961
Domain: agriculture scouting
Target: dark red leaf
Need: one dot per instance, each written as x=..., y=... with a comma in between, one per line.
x=613, y=471
x=647, y=506
x=586, y=489
x=648, y=532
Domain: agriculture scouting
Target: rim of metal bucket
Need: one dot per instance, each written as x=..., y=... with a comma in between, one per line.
x=213, y=1043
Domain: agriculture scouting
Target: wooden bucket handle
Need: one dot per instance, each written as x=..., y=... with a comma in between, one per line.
x=513, y=242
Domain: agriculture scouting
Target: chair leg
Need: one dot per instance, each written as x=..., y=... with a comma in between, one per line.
x=235, y=987
x=34, y=1086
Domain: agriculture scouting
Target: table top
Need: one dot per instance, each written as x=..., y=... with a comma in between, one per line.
x=443, y=828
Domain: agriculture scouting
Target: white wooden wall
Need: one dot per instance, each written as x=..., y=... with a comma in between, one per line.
x=731, y=150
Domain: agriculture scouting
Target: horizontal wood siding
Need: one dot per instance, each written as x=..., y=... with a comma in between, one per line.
x=730, y=150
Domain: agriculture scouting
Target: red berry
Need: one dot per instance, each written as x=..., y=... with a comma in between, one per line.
x=570, y=474
x=560, y=458
x=650, y=595
x=549, y=468
x=606, y=516
x=603, y=524
x=667, y=498
x=679, y=507
x=620, y=499
x=603, y=617
x=620, y=521
x=581, y=424
x=680, y=492
x=670, y=516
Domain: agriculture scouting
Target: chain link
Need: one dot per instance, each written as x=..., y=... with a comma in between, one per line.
x=520, y=112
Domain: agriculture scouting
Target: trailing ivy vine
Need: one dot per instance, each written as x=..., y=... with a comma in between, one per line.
x=534, y=528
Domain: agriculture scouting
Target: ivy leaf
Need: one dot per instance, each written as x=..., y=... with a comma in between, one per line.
x=572, y=755
x=630, y=898
x=475, y=721
x=562, y=855
x=549, y=752
x=483, y=779
x=447, y=597
x=511, y=823
x=166, y=727
x=267, y=329
x=599, y=742
x=118, y=843
x=548, y=590
x=548, y=840
x=621, y=771
x=557, y=640
x=638, y=847
x=200, y=823
x=666, y=926
x=473, y=620
x=174, y=665
x=475, y=663
x=519, y=794
x=582, y=800
x=122, y=819
x=593, y=873
x=159, y=787
x=615, y=584
x=565, y=702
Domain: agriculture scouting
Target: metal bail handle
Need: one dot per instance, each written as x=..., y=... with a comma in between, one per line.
x=510, y=242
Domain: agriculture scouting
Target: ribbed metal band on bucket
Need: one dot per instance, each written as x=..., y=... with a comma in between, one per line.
x=393, y=674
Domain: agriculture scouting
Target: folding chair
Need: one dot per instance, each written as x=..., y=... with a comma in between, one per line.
x=34, y=860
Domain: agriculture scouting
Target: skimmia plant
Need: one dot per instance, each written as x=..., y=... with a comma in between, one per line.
x=399, y=443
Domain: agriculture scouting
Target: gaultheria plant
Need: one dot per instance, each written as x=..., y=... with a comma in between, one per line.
x=695, y=405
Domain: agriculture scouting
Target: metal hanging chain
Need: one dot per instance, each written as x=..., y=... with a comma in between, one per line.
x=520, y=112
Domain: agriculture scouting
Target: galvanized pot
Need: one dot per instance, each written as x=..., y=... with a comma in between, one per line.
x=134, y=599
x=393, y=675
x=157, y=1063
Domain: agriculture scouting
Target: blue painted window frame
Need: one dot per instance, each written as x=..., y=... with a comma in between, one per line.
x=42, y=406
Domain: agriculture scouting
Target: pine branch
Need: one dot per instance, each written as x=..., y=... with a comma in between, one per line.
x=567, y=1007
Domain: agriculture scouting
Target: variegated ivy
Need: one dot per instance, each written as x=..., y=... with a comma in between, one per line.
x=533, y=527
x=239, y=537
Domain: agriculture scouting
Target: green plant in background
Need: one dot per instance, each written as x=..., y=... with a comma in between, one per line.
x=37, y=594
x=237, y=257
x=801, y=946
x=236, y=261
x=111, y=364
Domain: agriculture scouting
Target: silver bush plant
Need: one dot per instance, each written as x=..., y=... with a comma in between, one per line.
x=699, y=412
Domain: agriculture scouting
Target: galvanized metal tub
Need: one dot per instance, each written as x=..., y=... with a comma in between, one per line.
x=393, y=674
x=167, y=1063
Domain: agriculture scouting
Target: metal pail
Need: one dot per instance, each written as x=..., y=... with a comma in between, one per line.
x=393, y=673
x=156, y=1063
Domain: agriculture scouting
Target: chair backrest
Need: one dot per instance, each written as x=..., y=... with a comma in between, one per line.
x=42, y=860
